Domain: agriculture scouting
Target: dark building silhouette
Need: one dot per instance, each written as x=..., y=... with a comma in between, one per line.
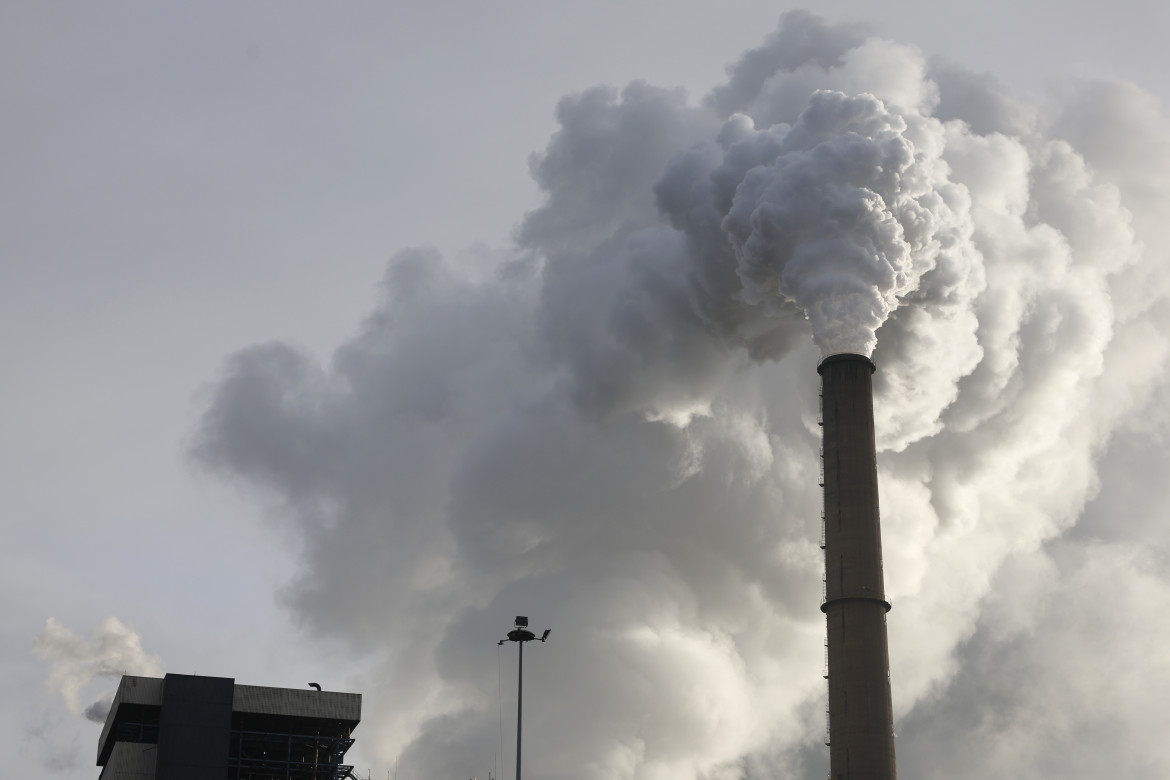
x=185, y=727
x=861, y=720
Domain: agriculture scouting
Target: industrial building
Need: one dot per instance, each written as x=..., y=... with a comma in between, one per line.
x=187, y=727
x=860, y=718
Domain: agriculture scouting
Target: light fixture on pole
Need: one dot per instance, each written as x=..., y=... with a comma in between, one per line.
x=520, y=634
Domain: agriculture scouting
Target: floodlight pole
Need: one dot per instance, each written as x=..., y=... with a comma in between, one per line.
x=519, y=701
x=520, y=634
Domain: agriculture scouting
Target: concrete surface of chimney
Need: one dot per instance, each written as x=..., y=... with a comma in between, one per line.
x=861, y=721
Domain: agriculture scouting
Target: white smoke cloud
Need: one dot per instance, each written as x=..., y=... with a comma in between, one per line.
x=112, y=650
x=1032, y=690
x=841, y=214
x=613, y=428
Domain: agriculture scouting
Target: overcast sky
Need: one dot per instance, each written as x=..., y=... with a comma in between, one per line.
x=335, y=337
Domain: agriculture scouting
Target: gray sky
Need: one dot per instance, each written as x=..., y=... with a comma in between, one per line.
x=181, y=184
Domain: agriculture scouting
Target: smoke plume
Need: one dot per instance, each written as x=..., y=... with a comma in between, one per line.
x=112, y=650
x=611, y=427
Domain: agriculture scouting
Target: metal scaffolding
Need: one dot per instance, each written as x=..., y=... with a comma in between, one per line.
x=277, y=755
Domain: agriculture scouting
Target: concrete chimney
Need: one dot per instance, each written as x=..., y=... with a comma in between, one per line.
x=861, y=719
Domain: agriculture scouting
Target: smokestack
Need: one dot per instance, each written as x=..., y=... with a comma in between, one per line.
x=861, y=719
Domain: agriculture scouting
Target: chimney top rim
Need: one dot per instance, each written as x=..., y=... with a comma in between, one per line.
x=842, y=357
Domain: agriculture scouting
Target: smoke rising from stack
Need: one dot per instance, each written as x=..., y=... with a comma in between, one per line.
x=112, y=650
x=614, y=427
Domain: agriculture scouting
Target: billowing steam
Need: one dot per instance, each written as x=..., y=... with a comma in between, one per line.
x=612, y=429
x=840, y=214
x=112, y=650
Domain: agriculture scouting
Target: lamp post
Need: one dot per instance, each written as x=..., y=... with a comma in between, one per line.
x=520, y=634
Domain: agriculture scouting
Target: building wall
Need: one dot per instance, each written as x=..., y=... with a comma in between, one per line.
x=131, y=761
x=195, y=727
x=131, y=690
x=303, y=703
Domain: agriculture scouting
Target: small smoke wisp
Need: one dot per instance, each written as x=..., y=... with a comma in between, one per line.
x=112, y=649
